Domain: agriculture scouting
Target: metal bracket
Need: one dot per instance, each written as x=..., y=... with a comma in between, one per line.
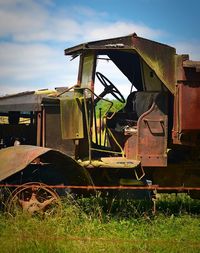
x=142, y=174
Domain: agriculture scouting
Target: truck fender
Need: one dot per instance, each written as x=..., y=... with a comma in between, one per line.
x=16, y=158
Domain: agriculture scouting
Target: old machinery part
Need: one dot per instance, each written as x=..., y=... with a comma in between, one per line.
x=34, y=198
x=110, y=87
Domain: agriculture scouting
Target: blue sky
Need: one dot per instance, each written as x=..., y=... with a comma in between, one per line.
x=34, y=34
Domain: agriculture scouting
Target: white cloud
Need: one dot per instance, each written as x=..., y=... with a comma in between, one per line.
x=33, y=66
x=28, y=21
x=28, y=29
x=21, y=17
x=32, y=37
x=107, y=30
x=29, y=59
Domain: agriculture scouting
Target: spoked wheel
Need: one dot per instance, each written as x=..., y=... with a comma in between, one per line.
x=34, y=199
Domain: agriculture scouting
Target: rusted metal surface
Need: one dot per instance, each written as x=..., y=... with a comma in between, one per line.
x=148, y=140
x=16, y=158
x=43, y=137
x=24, y=101
x=186, y=125
x=159, y=57
x=187, y=71
x=152, y=137
x=114, y=43
x=39, y=129
x=72, y=118
x=189, y=104
x=53, y=135
x=192, y=64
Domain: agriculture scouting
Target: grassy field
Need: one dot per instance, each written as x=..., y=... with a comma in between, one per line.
x=99, y=225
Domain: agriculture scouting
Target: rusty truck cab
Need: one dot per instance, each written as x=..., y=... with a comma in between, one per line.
x=140, y=130
x=158, y=127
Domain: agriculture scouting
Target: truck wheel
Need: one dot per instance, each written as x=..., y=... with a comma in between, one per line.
x=35, y=199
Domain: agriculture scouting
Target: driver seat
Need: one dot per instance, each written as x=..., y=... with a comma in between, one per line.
x=138, y=102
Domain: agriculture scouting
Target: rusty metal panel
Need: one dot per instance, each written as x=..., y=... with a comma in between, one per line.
x=114, y=43
x=187, y=71
x=189, y=104
x=192, y=64
x=24, y=101
x=152, y=136
x=130, y=146
x=53, y=137
x=72, y=118
x=16, y=158
x=160, y=58
x=87, y=71
x=186, y=124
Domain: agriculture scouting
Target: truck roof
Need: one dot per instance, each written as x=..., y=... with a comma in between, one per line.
x=119, y=43
x=160, y=57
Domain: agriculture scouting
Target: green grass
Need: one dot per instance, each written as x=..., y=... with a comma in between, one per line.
x=101, y=225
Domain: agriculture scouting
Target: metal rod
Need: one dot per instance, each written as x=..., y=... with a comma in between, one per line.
x=43, y=127
x=39, y=126
x=91, y=187
x=113, y=137
x=95, y=126
x=87, y=126
x=100, y=126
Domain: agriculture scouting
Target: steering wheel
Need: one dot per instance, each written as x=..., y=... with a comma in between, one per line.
x=109, y=88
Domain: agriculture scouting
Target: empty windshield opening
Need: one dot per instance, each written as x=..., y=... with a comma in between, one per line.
x=108, y=68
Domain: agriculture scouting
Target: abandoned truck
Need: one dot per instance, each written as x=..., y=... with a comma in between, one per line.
x=54, y=138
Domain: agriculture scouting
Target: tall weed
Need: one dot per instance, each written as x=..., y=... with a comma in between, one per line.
x=99, y=224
